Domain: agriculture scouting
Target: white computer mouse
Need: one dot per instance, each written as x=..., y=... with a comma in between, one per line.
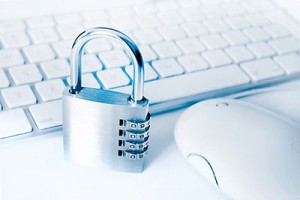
x=249, y=152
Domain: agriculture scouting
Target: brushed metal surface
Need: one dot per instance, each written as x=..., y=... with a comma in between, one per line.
x=91, y=129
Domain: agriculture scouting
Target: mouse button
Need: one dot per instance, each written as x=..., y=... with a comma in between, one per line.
x=204, y=167
x=286, y=103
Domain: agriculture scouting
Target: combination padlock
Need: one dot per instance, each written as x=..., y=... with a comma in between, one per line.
x=104, y=128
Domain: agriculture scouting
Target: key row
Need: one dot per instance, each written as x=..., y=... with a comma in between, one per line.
x=49, y=90
x=52, y=89
x=178, y=12
x=117, y=57
x=27, y=74
x=24, y=95
x=169, y=32
x=60, y=68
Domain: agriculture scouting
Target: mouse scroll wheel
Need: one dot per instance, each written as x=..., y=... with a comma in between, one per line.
x=222, y=104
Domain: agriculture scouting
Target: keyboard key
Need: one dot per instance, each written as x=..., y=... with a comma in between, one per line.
x=166, y=49
x=189, y=3
x=98, y=45
x=190, y=45
x=214, y=41
x=278, y=17
x=235, y=37
x=257, y=34
x=262, y=69
x=285, y=45
x=131, y=36
x=123, y=23
x=258, y=19
x=144, y=9
x=171, y=17
x=167, y=5
x=50, y=89
x=43, y=35
x=10, y=57
x=18, y=96
x=113, y=78
x=8, y=123
x=261, y=49
x=97, y=23
x=239, y=54
x=25, y=74
x=69, y=18
x=167, y=67
x=147, y=36
x=47, y=115
x=70, y=31
x=147, y=53
x=4, y=82
x=193, y=14
x=216, y=25
x=216, y=58
x=38, y=53
x=63, y=48
x=276, y=31
x=121, y=11
x=233, y=8
x=88, y=80
x=14, y=25
x=114, y=58
x=191, y=84
x=14, y=39
x=90, y=63
x=95, y=15
x=212, y=2
x=193, y=62
x=171, y=32
x=40, y=22
x=290, y=63
x=213, y=11
x=194, y=28
x=255, y=6
x=56, y=68
x=148, y=21
x=150, y=74
x=238, y=22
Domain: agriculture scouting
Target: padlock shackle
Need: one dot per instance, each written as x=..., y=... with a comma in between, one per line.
x=130, y=47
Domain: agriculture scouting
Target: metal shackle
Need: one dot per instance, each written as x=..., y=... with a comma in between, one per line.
x=130, y=47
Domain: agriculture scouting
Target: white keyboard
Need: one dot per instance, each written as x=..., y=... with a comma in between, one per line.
x=192, y=50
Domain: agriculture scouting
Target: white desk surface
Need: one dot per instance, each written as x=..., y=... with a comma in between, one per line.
x=34, y=169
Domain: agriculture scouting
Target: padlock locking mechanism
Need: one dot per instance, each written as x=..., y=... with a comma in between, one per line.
x=134, y=138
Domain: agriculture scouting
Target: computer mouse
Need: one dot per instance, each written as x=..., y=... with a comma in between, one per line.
x=245, y=150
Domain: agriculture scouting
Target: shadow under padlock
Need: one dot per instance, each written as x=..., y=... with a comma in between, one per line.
x=103, y=128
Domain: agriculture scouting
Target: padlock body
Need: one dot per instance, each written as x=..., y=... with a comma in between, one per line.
x=94, y=128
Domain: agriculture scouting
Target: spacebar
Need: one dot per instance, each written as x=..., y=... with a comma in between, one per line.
x=191, y=84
